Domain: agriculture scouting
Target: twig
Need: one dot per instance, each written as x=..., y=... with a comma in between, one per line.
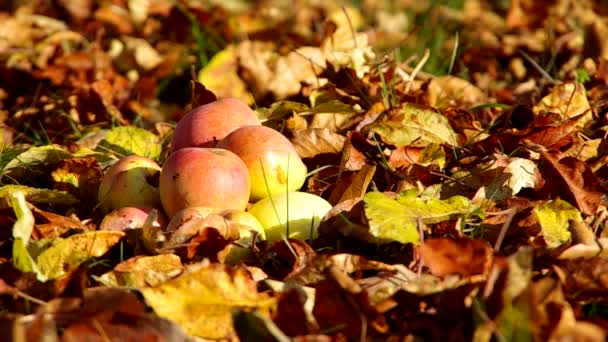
x=417, y=69
x=503, y=230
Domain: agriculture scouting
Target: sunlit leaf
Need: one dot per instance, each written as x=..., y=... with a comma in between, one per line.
x=128, y=140
x=33, y=157
x=281, y=109
x=568, y=100
x=311, y=142
x=36, y=195
x=554, y=217
x=411, y=124
x=70, y=252
x=333, y=115
x=451, y=91
x=22, y=231
x=142, y=271
x=221, y=77
x=397, y=219
x=202, y=299
x=522, y=174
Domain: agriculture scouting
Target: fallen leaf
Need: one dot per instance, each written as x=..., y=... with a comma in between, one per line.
x=109, y=313
x=352, y=185
x=142, y=271
x=568, y=100
x=450, y=256
x=70, y=252
x=128, y=140
x=451, y=91
x=398, y=219
x=202, y=299
x=221, y=77
x=411, y=124
x=22, y=231
x=573, y=180
x=314, y=141
x=554, y=218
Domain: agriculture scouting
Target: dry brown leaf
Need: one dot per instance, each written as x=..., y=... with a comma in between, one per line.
x=574, y=181
x=314, y=141
x=450, y=256
x=450, y=91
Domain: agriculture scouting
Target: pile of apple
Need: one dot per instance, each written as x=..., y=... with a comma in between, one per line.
x=222, y=159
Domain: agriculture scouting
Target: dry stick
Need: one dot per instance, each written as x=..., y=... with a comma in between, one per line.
x=26, y=296
x=503, y=230
x=417, y=69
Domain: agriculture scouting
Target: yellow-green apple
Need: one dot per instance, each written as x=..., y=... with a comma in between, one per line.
x=196, y=176
x=205, y=125
x=273, y=163
x=248, y=227
x=295, y=215
x=131, y=181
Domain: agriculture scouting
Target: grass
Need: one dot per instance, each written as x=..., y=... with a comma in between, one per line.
x=428, y=33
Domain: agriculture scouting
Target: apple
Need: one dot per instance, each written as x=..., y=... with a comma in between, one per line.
x=273, y=163
x=301, y=212
x=247, y=225
x=131, y=181
x=131, y=217
x=205, y=125
x=247, y=222
x=196, y=176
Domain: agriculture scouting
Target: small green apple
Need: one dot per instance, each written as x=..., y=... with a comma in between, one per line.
x=300, y=213
x=247, y=225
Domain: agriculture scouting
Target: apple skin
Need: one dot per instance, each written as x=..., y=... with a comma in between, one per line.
x=196, y=176
x=131, y=181
x=303, y=211
x=205, y=125
x=131, y=217
x=273, y=163
x=248, y=225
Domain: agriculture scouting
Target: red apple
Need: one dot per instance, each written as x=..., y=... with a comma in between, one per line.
x=273, y=163
x=131, y=217
x=131, y=181
x=210, y=177
x=205, y=125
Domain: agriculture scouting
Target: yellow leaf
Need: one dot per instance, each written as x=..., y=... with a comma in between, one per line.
x=202, y=299
x=74, y=250
x=568, y=100
x=554, y=218
x=142, y=271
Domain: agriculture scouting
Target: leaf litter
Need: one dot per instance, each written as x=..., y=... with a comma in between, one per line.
x=460, y=143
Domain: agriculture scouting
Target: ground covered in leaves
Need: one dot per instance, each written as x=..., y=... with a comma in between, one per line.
x=461, y=145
